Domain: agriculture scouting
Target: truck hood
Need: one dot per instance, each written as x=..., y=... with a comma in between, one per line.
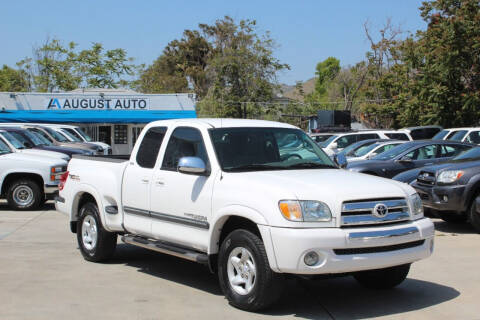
x=332, y=186
x=34, y=159
x=453, y=165
x=45, y=153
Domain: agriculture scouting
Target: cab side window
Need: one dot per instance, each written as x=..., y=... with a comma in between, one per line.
x=345, y=141
x=473, y=137
x=423, y=153
x=452, y=150
x=184, y=142
x=148, y=151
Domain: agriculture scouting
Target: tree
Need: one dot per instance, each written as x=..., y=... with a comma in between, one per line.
x=227, y=64
x=13, y=80
x=326, y=71
x=55, y=66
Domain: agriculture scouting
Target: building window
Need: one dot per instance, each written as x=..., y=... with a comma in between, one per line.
x=135, y=133
x=120, y=134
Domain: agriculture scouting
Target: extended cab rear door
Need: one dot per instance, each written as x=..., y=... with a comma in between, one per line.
x=137, y=180
x=180, y=203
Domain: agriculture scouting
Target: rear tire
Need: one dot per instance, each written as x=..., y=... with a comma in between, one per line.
x=244, y=273
x=24, y=194
x=383, y=278
x=451, y=217
x=95, y=243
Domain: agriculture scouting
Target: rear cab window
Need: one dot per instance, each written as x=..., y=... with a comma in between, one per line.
x=147, y=153
x=398, y=136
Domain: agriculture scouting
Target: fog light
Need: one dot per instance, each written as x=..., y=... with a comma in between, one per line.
x=311, y=258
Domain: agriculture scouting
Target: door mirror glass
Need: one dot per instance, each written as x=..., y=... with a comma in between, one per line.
x=333, y=145
x=192, y=165
x=340, y=160
x=405, y=159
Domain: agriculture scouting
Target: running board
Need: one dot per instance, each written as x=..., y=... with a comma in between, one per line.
x=167, y=248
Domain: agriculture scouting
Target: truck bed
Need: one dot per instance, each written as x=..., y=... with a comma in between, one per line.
x=105, y=158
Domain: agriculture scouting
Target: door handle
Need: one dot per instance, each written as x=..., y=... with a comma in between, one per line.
x=145, y=180
x=159, y=181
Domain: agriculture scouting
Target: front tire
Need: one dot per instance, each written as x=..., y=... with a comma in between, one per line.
x=24, y=194
x=383, y=278
x=474, y=216
x=244, y=273
x=95, y=243
x=452, y=217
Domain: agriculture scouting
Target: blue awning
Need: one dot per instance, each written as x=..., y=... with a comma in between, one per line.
x=94, y=116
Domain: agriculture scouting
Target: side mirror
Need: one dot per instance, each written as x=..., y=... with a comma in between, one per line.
x=340, y=160
x=333, y=145
x=192, y=165
x=405, y=160
x=27, y=145
x=370, y=156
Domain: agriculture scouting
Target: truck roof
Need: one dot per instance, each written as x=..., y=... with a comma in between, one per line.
x=225, y=123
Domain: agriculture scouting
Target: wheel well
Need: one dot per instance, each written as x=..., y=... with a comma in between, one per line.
x=473, y=194
x=232, y=223
x=79, y=201
x=9, y=179
x=236, y=222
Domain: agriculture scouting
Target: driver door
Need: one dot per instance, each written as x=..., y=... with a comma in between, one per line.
x=180, y=204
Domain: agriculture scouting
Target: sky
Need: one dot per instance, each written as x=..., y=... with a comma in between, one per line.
x=306, y=32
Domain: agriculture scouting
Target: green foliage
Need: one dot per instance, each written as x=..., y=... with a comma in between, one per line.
x=326, y=71
x=55, y=66
x=227, y=64
x=13, y=80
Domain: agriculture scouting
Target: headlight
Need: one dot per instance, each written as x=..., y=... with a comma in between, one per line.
x=449, y=176
x=308, y=210
x=417, y=206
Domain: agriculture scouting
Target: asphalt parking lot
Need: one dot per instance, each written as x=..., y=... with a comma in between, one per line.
x=43, y=276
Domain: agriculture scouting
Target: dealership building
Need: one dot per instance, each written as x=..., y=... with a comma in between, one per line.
x=113, y=116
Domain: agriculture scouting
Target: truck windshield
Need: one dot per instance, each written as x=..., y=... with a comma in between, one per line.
x=56, y=135
x=458, y=136
x=70, y=136
x=15, y=143
x=325, y=143
x=20, y=138
x=83, y=134
x=73, y=133
x=471, y=154
x=40, y=135
x=4, y=148
x=394, y=152
x=36, y=139
x=255, y=149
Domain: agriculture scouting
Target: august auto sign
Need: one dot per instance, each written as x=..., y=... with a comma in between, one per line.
x=97, y=103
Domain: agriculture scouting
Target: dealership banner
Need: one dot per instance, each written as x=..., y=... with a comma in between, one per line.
x=94, y=103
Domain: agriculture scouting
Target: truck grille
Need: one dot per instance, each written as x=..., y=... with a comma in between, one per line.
x=379, y=249
x=374, y=211
x=426, y=178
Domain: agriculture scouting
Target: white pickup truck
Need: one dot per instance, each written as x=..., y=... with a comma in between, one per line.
x=253, y=200
x=26, y=179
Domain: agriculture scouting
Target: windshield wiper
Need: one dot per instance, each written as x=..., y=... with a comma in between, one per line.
x=255, y=167
x=307, y=165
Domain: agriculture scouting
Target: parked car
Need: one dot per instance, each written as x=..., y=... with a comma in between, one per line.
x=320, y=137
x=60, y=140
x=338, y=142
x=71, y=138
x=451, y=188
x=423, y=132
x=348, y=151
x=27, y=180
x=18, y=146
x=81, y=136
x=243, y=198
x=372, y=150
x=410, y=155
x=445, y=134
x=39, y=142
x=468, y=135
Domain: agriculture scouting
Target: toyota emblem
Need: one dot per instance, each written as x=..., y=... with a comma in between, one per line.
x=380, y=210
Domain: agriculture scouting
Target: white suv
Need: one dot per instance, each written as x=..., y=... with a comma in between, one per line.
x=339, y=141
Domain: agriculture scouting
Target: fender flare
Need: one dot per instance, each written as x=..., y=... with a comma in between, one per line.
x=472, y=186
x=222, y=215
x=79, y=191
